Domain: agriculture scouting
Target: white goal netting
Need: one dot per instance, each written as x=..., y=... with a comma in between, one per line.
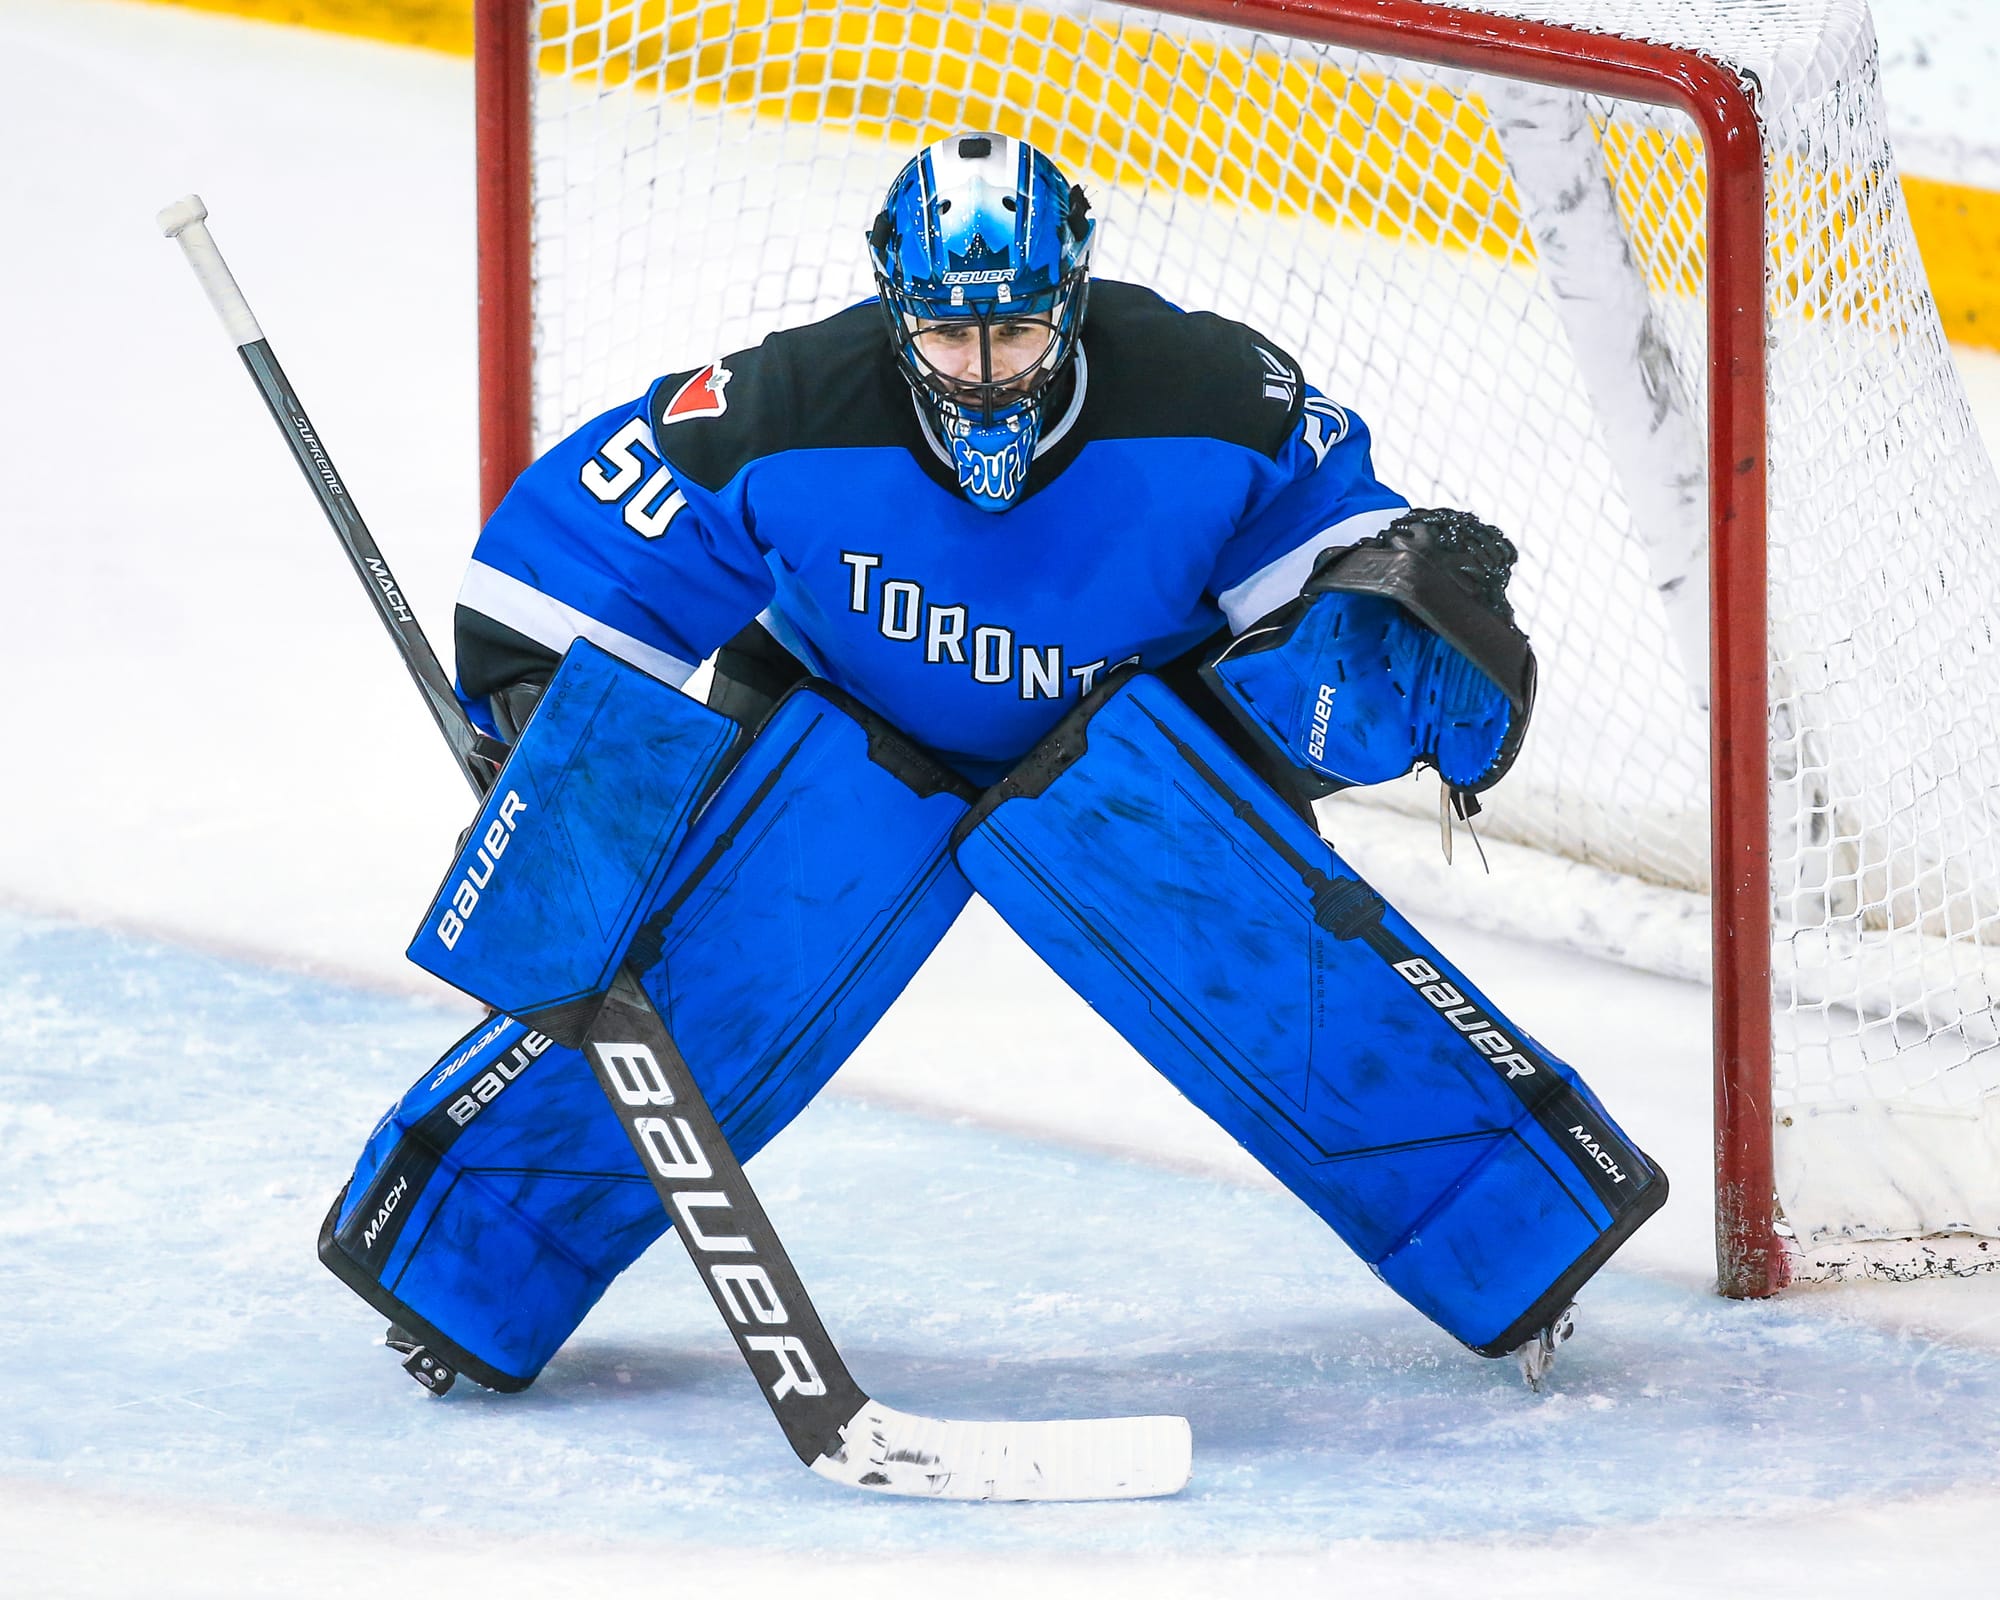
x=1508, y=284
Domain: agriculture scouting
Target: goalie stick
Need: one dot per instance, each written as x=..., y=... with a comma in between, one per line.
x=833, y=1425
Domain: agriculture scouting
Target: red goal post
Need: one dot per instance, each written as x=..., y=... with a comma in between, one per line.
x=1721, y=105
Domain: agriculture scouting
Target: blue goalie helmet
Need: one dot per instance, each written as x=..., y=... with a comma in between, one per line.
x=981, y=257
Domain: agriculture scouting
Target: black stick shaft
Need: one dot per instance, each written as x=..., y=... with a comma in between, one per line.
x=701, y=1185
x=720, y=1222
x=478, y=756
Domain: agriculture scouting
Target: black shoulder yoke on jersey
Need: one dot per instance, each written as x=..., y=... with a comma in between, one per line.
x=1152, y=371
x=831, y=385
x=1157, y=372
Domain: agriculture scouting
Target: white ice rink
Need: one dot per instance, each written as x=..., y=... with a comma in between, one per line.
x=224, y=809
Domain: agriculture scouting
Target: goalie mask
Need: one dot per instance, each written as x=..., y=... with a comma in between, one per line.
x=981, y=254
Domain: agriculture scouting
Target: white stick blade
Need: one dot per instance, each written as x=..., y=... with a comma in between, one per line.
x=1111, y=1458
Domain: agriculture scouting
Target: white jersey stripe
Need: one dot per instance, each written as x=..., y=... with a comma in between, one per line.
x=546, y=620
x=1272, y=584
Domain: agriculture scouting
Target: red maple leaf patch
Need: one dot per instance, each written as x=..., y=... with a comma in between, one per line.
x=700, y=396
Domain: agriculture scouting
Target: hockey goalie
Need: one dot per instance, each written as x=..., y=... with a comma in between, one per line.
x=1015, y=584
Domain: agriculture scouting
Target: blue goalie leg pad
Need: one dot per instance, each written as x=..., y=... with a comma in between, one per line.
x=534, y=916
x=806, y=896
x=488, y=1225
x=1174, y=891
x=497, y=1202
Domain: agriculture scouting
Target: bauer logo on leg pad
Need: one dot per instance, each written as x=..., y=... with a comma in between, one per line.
x=485, y=1089
x=1604, y=1156
x=1478, y=1029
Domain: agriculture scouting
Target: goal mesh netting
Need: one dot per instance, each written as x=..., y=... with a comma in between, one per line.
x=1508, y=283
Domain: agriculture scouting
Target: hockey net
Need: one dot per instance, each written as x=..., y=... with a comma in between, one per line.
x=1511, y=284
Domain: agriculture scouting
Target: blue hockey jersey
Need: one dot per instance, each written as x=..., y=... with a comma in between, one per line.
x=1185, y=479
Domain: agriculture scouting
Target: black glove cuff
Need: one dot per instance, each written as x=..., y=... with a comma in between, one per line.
x=1449, y=570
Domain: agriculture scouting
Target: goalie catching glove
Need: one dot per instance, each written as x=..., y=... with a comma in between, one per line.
x=1400, y=650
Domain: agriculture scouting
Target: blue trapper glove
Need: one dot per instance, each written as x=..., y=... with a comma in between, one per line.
x=1399, y=651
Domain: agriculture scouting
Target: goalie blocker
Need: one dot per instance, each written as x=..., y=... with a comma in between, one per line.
x=1178, y=893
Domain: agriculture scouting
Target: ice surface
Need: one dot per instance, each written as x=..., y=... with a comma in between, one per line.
x=177, y=1123
x=208, y=738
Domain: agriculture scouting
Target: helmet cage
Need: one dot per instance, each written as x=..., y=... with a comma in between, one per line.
x=983, y=231
x=996, y=391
